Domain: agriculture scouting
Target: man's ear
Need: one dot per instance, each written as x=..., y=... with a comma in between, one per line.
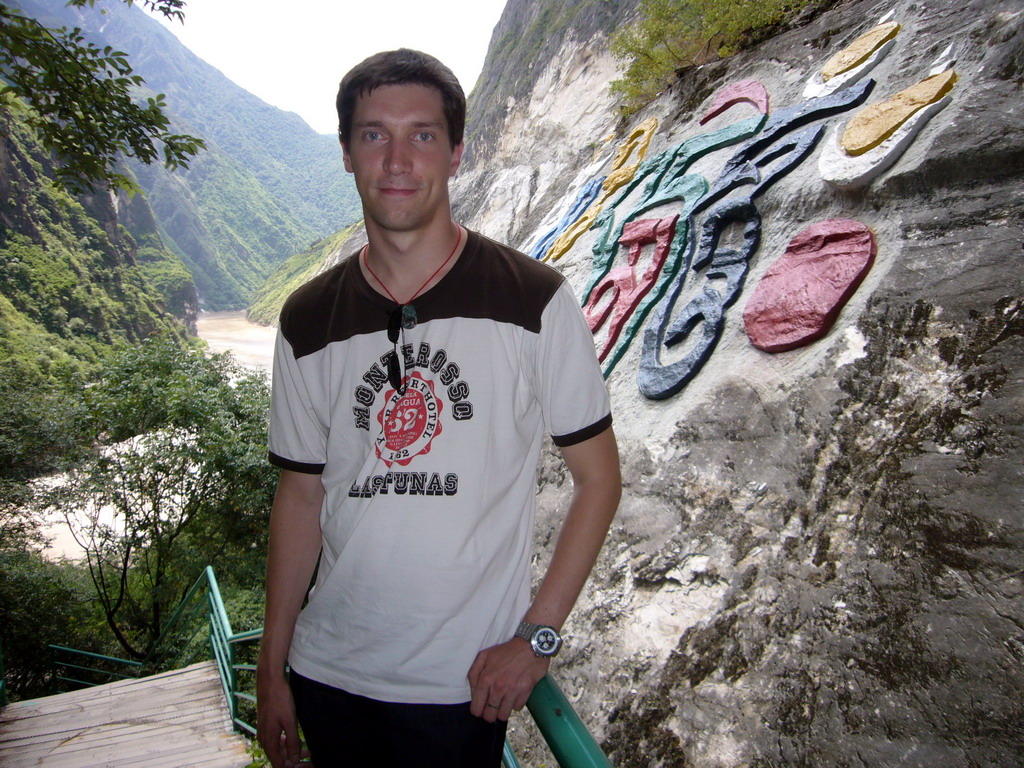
x=344, y=155
x=456, y=158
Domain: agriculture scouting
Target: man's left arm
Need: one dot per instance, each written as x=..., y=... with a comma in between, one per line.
x=503, y=676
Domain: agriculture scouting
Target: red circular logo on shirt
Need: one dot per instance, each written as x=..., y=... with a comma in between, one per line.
x=409, y=422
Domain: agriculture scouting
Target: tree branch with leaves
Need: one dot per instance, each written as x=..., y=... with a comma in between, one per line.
x=177, y=479
x=85, y=100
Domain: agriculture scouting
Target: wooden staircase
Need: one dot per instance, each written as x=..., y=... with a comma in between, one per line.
x=177, y=719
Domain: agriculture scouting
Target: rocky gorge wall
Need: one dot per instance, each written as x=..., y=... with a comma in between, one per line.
x=810, y=311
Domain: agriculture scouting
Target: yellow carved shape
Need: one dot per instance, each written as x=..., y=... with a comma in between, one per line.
x=566, y=240
x=874, y=124
x=620, y=174
x=857, y=52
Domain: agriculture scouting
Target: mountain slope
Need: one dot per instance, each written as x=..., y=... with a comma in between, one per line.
x=72, y=282
x=266, y=188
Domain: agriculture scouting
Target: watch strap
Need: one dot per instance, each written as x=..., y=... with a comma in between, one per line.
x=525, y=630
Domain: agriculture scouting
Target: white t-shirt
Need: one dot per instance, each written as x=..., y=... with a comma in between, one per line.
x=428, y=514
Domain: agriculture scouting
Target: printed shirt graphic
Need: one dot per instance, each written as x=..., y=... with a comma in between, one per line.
x=428, y=512
x=409, y=421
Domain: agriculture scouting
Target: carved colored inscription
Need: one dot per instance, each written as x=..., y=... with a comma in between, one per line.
x=860, y=50
x=586, y=196
x=679, y=296
x=625, y=287
x=752, y=169
x=854, y=61
x=668, y=181
x=752, y=91
x=877, y=136
x=620, y=175
x=801, y=295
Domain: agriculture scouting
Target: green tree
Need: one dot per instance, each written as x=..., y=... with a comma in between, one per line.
x=83, y=100
x=178, y=480
x=41, y=602
x=674, y=34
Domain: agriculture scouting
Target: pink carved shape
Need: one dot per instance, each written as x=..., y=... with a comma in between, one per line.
x=801, y=294
x=626, y=289
x=745, y=90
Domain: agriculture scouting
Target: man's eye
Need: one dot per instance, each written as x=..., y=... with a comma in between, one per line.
x=424, y=136
x=372, y=135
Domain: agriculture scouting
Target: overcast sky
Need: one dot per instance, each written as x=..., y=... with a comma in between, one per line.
x=292, y=53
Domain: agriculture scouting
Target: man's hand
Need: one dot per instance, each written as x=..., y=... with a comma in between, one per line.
x=502, y=678
x=277, y=727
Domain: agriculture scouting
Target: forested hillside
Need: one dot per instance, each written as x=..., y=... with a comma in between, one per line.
x=74, y=282
x=106, y=403
x=114, y=422
x=266, y=187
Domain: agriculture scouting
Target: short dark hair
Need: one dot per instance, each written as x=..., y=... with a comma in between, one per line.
x=402, y=67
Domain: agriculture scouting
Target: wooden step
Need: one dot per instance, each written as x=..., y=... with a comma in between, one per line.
x=176, y=719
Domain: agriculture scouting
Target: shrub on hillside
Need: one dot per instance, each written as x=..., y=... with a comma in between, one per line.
x=674, y=34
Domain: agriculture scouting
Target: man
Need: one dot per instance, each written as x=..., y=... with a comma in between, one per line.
x=412, y=387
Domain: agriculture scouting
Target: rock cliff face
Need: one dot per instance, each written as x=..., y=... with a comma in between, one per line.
x=818, y=557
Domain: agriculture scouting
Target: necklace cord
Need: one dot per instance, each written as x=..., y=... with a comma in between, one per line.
x=425, y=284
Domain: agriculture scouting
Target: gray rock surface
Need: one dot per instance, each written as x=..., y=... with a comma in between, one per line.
x=818, y=558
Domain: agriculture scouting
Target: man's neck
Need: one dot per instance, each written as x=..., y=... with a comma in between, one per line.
x=403, y=265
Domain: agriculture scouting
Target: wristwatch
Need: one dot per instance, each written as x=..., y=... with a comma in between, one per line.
x=544, y=640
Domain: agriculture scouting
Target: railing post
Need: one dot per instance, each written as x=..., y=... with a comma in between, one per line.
x=3, y=679
x=223, y=651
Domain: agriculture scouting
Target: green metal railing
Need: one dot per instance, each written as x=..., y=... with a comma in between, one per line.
x=99, y=666
x=568, y=738
x=3, y=679
x=184, y=629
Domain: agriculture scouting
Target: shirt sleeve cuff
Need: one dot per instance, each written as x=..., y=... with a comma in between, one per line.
x=586, y=433
x=295, y=466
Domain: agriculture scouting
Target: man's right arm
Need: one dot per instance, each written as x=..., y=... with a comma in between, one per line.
x=292, y=554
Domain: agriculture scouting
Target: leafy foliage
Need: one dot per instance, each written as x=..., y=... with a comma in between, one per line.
x=41, y=602
x=83, y=103
x=69, y=291
x=265, y=188
x=674, y=34
x=178, y=480
x=73, y=289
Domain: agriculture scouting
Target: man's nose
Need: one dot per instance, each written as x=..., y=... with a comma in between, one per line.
x=396, y=158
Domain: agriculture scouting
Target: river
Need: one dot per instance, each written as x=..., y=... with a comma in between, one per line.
x=250, y=344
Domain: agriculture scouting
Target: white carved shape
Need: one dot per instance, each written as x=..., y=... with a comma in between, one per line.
x=945, y=60
x=817, y=87
x=846, y=171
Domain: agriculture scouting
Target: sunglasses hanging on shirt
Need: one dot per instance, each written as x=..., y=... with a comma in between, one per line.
x=397, y=324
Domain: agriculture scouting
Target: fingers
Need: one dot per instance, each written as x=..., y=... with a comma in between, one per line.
x=499, y=706
x=280, y=747
x=277, y=727
x=292, y=747
x=501, y=679
x=504, y=711
x=479, y=692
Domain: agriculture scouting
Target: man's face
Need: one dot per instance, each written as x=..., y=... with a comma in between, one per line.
x=400, y=154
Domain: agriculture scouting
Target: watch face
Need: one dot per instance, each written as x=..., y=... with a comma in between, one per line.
x=546, y=641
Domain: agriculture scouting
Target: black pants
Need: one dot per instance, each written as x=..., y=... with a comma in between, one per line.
x=343, y=730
